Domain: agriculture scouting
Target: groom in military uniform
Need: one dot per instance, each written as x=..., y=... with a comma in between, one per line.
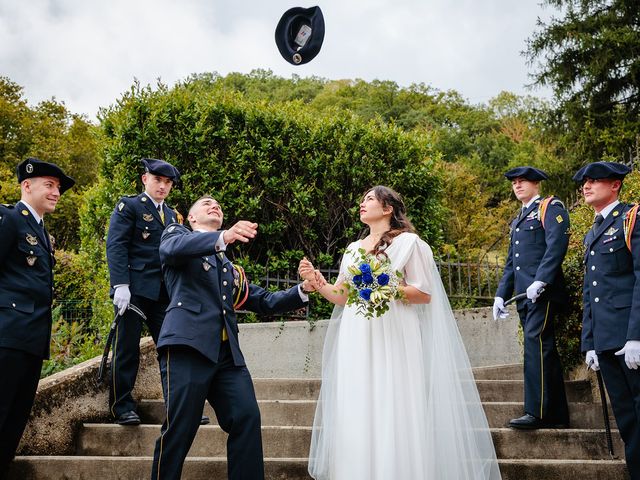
x=539, y=241
x=611, y=303
x=26, y=284
x=199, y=350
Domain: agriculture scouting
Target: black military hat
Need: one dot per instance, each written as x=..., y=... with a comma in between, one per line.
x=32, y=167
x=599, y=170
x=299, y=34
x=160, y=167
x=528, y=173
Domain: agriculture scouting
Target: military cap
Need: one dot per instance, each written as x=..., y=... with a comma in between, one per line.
x=160, y=167
x=599, y=170
x=299, y=34
x=528, y=173
x=32, y=167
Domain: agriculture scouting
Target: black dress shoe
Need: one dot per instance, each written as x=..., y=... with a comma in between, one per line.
x=204, y=420
x=529, y=422
x=128, y=418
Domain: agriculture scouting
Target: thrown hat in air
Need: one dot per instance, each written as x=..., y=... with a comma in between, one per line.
x=299, y=34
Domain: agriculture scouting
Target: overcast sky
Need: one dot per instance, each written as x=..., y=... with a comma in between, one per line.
x=87, y=52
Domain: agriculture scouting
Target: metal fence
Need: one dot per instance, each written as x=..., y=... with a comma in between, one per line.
x=464, y=280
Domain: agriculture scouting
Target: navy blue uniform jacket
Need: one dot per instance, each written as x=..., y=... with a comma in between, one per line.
x=611, y=300
x=536, y=253
x=132, y=245
x=26, y=282
x=200, y=288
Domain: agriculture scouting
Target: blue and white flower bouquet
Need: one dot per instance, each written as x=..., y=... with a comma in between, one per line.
x=372, y=284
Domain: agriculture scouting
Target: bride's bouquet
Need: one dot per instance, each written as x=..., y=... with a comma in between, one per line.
x=372, y=284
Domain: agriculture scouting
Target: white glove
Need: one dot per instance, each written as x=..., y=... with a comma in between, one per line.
x=499, y=310
x=631, y=351
x=121, y=298
x=592, y=360
x=533, y=292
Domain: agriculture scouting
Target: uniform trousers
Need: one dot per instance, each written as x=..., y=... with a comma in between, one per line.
x=623, y=387
x=544, y=392
x=188, y=379
x=19, y=375
x=126, y=351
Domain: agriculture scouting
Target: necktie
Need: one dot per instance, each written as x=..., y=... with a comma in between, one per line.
x=597, y=221
x=220, y=255
x=161, y=212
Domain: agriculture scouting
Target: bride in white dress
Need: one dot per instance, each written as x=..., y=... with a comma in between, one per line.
x=398, y=398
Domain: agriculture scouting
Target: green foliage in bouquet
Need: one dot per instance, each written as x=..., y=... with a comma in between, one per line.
x=372, y=284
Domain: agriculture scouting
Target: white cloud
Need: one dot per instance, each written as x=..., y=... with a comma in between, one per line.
x=87, y=53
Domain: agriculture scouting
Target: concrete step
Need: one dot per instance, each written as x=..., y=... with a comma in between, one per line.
x=499, y=372
x=287, y=442
x=490, y=390
x=301, y=412
x=139, y=468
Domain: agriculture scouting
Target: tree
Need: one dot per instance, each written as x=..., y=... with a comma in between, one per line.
x=50, y=132
x=591, y=59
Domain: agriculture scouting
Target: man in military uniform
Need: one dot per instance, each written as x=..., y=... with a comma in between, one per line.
x=26, y=293
x=538, y=245
x=135, y=275
x=200, y=357
x=611, y=303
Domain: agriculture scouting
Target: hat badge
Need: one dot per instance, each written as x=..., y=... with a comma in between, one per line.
x=29, y=168
x=297, y=58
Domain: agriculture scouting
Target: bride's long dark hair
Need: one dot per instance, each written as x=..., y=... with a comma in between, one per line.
x=399, y=221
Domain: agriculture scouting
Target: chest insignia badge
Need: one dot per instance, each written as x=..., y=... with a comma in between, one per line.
x=146, y=234
x=31, y=260
x=206, y=266
x=147, y=217
x=31, y=240
x=611, y=231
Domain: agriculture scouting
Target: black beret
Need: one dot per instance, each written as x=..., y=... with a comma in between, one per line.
x=160, y=167
x=528, y=173
x=598, y=170
x=299, y=34
x=32, y=167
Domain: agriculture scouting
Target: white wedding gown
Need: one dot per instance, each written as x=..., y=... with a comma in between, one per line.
x=398, y=398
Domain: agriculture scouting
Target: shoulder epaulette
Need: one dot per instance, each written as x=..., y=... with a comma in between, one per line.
x=629, y=223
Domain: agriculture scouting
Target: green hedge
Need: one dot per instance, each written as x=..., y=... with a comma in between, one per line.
x=297, y=173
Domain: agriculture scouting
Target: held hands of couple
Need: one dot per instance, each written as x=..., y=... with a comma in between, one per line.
x=312, y=277
x=242, y=231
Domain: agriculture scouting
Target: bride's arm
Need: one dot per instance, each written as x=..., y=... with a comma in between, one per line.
x=336, y=294
x=413, y=295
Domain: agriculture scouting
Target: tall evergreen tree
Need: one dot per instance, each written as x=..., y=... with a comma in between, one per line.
x=591, y=58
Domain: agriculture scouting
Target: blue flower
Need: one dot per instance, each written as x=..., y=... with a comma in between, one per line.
x=383, y=279
x=367, y=278
x=357, y=279
x=365, y=268
x=365, y=293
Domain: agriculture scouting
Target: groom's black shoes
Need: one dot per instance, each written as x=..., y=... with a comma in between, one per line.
x=529, y=422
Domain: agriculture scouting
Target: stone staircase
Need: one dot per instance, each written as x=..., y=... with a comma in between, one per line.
x=109, y=452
